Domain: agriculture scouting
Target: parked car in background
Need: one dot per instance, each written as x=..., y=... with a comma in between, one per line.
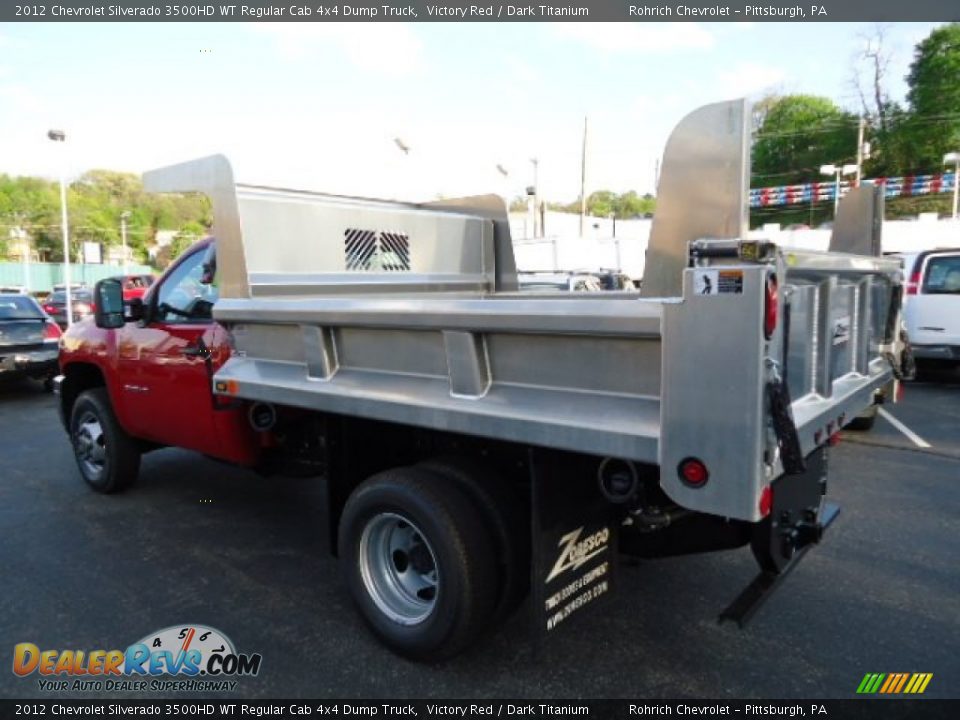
x=614, y=280
x=81, y=300
x=73, y=286
x=563, y=281
x=135, y=286
x=932, y=304
x=13, y=290
x=29, y=339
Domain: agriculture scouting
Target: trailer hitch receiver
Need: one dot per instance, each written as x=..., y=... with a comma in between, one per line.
x=798, y=519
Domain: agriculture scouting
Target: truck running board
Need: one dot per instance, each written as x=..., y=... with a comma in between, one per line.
x=756, y=593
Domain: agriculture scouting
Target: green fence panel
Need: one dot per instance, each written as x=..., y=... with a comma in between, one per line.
x=41, y=277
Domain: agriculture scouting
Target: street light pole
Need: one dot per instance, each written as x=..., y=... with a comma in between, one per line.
x=536, y=196
x=124, y=216
x=838, y=171
x=60, y=136
x=954, y=157
x=583, y=177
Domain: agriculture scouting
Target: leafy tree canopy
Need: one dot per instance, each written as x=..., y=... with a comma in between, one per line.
x=95, y=202
x=796, y=135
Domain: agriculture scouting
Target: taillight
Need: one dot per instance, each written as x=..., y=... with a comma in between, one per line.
x=693, y=472
x=51, y=332
x=770, y=307
x=766, y=501
x=50, y=309
x=913, y=284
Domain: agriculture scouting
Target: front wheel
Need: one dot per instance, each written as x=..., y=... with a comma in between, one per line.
x=418, y=562
x=107, y=457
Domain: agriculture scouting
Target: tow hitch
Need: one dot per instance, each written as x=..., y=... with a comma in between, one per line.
x=797, y=521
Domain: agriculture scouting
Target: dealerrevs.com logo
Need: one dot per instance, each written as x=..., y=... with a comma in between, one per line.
x=198, y=657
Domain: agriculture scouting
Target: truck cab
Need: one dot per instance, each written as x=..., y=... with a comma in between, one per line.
x=155, y=371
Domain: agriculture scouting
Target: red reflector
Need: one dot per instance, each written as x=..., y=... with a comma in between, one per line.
x=766, y=501
x=834, y=440
x=51, y=331
x=771, y=307
x=900, y=391
x=693, y=472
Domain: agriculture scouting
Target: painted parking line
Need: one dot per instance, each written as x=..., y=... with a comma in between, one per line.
x=914, y=438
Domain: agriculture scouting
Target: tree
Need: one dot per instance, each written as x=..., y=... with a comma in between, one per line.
x=933, y=126
x=189, y=234
x=798, y=134
x=95, y=201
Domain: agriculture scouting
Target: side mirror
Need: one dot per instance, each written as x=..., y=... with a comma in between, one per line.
x=108, y=300
x=136, y=310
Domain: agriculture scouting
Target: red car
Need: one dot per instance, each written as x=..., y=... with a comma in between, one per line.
x=135, y=286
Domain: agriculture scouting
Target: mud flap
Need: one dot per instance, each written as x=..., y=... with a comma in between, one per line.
x=798, y=519
x=575, y=539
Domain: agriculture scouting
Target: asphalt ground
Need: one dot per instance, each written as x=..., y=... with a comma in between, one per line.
x=199, y=542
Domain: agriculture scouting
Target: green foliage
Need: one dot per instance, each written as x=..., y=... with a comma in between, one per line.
x=94, y=201
x=798, y=134
x=933, y=127
x=604, y=203
x=189, y=233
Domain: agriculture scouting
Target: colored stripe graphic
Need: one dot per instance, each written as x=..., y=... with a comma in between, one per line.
x=903, y=681
x=894, y=683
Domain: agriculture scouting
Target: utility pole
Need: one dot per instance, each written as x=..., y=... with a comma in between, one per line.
x=123, y=236
x=863, y=123
x=536, y=197
x=583, y=177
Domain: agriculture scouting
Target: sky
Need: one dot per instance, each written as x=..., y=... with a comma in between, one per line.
x=317, y=106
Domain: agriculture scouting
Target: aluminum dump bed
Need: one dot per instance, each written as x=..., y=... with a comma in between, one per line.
x=410, y=314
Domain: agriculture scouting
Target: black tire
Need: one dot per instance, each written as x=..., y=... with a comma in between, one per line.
x=864, y=422
x=506, y=517
x=108, y=458
x=458, y=546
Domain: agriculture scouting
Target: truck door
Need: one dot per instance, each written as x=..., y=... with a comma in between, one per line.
x=165, y=363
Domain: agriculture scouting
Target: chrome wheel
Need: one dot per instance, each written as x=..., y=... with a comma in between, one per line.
x=399, y=568
x=90, y=445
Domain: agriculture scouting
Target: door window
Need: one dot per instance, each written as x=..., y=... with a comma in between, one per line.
x=183, y=297
x=943, y=275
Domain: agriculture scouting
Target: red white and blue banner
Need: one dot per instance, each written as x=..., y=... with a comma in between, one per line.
x=821, y=191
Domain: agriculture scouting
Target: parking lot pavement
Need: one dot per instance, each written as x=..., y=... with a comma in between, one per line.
x=931, y=409
x=199, y=542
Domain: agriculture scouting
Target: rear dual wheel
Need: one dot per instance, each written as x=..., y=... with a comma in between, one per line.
x=418, y=562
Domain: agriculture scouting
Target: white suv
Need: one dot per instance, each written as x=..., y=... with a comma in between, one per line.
x=932, y=304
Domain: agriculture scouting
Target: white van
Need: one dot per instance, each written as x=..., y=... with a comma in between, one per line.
x=932, y=306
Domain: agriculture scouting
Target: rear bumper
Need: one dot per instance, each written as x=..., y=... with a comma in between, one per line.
x=41, y=363
x=936, y=352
